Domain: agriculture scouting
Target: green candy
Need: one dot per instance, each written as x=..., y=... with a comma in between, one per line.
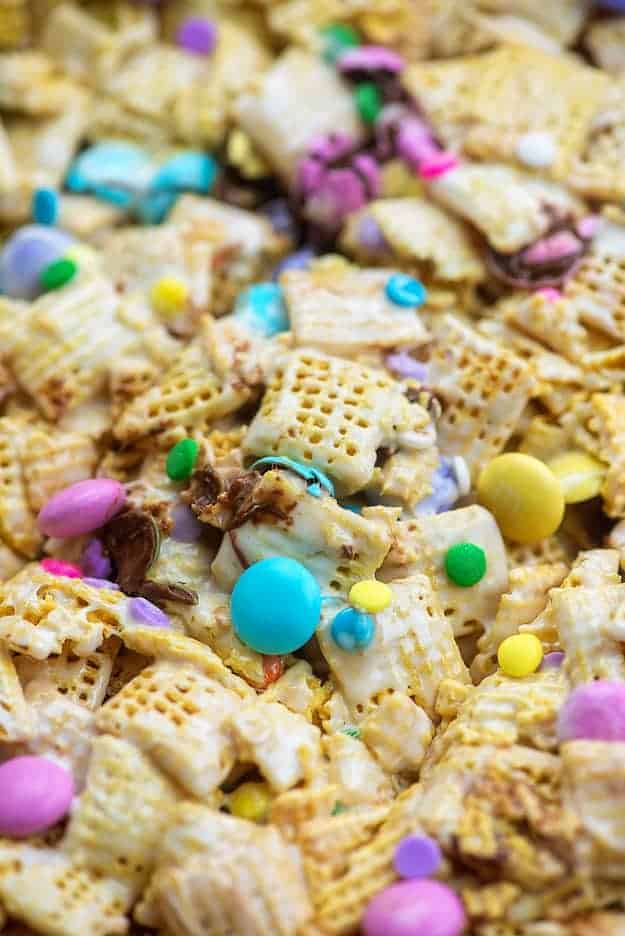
x=57, y=274
x=465, y=564
x=368, y=101
x=181, y=459
x=338, y=38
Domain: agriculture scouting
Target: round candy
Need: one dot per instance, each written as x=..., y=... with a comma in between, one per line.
x=187, y=528
x=45, y=206
x=370, y=595
x=25, y=255
x=417, y=856
x=58, y=274
x=368, y=101
x=250, y=801
x=262, y=308
x=402, y=364
x=36, y=794
x=553, y=660
x=537, y=150
x=299, y=260
x=336, y=39
x=524, y=496
x=198, y=35
x=352, y=630
x=113, y=170
x=101, y=583
x=95, y=561
x=144, y=612
x=405, y=291
x=520, y=655
x=438, y=165
x=594, y=712
x=58, y=567
x=580, y=475
x=415, y=908
x=81, y=508
x=181, y=459
x=465, y=564
x=169, y=296
x=275, y=606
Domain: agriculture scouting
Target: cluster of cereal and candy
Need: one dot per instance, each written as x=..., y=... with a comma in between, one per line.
x=312, y=467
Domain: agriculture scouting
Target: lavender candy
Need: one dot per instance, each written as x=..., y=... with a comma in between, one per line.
x=402, y=364
x=445, y=490
x=298, y=260
x=100, y=583
x=94, y=561
x=144, y=612
x=187, y=528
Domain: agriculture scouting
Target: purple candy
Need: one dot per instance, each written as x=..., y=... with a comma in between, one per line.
x=299, y=260
x=445, y=490
x=341, y=194
x=35, y=794
x=594, y=712
x=368, y=168
x=417, y=856
x=368, y=58
x=94, y=560
x=101, y=583
x=401, y=363
x=371, y=237
x=331, y=146
x=81, y=508
x=198, y=35
x=187, y=528
x=617, y=6
x=26, y=254
x=310, y=175
x=414, y=142
x=144, y=612
x=552, y=660
x=415, y=908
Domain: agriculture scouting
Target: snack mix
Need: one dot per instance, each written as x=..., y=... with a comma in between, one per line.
x=312, y=467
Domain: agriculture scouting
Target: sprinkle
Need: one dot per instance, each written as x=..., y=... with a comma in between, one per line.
x=58, y=274
x=58, y=567
x=553, y=660
x=198, y=35
x=417, y=856
x=536, y=150
x=45, y=206
x=401, y=363
x=144, y=612
x=181, y=459
x=520, y=655
x=465, y=564
x=351, y=732
x=169, y=296
x=550, y=294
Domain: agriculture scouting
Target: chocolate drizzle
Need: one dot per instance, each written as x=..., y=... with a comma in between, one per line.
x=523, y=272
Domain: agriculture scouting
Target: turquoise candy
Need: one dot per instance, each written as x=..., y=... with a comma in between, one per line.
x=262, y=308
x=45, y=206
x=275, y=606
x=116, y=172
x=190, y=171
x=352, y=630
x=405, y=290
x=315, y=479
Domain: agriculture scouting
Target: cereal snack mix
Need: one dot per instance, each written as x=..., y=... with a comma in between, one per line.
x=312, y=467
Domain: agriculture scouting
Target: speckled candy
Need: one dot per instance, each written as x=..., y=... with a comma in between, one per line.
x=81, y=508
x=275, y=606
x=35, y=794
x=594, y=712
x=24, y=257
x=415, y=908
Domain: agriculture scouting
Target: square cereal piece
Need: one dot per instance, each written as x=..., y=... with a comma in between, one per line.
x=53, y=460
x=588, y=621
x=18, y=526
x=15, y=718
x=596, y=291
x=40, y=886
x=413, y=650
x=178, y=717
x=348, y=312
x=31, y=84
x=333, y=413
x=297, y=99
x=596, y=172
x=279, y=517
x=483, y=388
x=609, y=421
x=552, y=322
x=423, y=544
x=81, y=680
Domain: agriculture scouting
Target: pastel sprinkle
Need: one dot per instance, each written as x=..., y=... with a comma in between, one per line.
x=101, y=583
x=549, y=293
x=169, y=296
x=198, y=35
x=553, y=660
x=368, y=101
x=438, y=165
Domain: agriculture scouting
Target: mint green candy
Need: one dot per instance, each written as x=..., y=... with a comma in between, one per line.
x=57, y=274
x=181, y=459
x=337, y=39
x=368, y=101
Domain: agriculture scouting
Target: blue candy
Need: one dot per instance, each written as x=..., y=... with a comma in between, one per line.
x=315, y=479
x=187, y=172
x=616, y=5
x=299, y=260
x=26, y=254
x=275, y=606
x=45, y=206
x=405, y=291
x=352, y=630
x=262, y=308
x=116, y=172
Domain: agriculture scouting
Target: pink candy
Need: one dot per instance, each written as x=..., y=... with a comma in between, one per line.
x=368, y=58
x=58, y=567
x=552, y=248
x=81, y=508
x=594, y=712
x=438, y=165
x=550, y=294
x=35, y=794
x=415, y=908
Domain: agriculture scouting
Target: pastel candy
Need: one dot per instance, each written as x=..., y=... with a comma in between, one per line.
x=94, y=560
x=26, y=255
x=368, y=58
x=35, y=794
x=299, y=260
x=58, y=567
x=415, y=908
x=594, y=712
x=144, y=612
x=262, y=308
x=81, y=508
x=113, y=170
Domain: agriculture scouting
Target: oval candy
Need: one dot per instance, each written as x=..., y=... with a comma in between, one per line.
x=35, y=794
x=81, y=508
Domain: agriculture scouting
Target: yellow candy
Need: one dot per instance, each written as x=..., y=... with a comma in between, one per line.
x=241, y=153
x=524, y=496
x=169, y=296
x=251, y=801
x=370, y=596
x=520, y=655
x=580, y=475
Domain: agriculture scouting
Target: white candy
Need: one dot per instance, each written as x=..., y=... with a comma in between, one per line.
x=536, y=150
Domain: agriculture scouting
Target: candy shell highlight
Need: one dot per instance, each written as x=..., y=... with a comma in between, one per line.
x=275, y=606
x=35, y=794
x=524, y=496
x=594, y=712
x=415, y=908
x=370, y=595
x=580, y=475
x=520, y=655
x=81, y=508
